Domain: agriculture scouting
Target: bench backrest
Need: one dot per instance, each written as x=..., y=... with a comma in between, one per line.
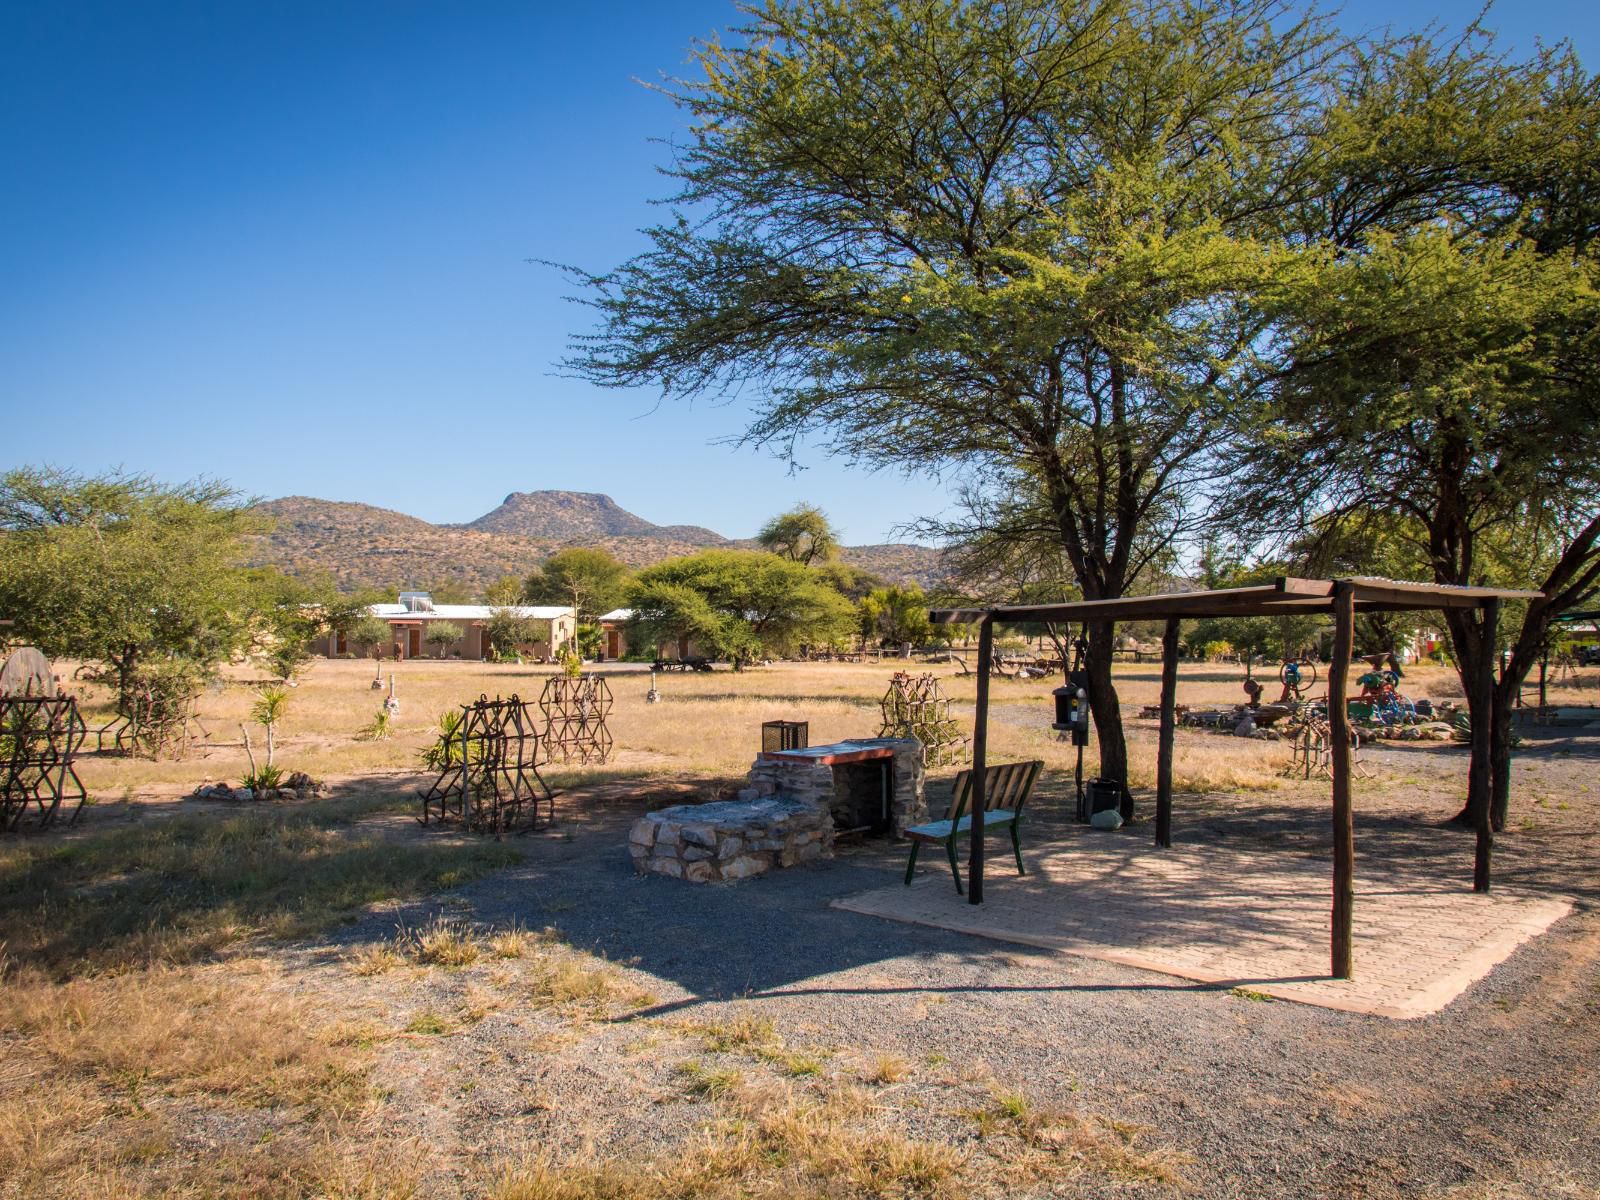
x=1005, y=785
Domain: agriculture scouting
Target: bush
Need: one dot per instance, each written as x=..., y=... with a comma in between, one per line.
x=264, y=779
x=441, y=633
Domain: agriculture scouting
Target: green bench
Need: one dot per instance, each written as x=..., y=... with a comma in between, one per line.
x=1006, y=789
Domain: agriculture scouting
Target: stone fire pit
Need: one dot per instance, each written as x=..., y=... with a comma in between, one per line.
x=730, y=839
x=796, y=802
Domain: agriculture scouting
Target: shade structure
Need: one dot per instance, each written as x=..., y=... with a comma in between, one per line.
x=1284, y=596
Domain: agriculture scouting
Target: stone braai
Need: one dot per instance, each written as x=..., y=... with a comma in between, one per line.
x=796, y=802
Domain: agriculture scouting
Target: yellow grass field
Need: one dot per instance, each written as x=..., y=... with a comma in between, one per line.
x=706, y=724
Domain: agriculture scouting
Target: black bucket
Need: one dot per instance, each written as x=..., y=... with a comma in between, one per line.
x=1104, y=794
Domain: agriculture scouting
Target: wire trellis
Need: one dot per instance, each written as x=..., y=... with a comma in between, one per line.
x=575, y=711
x=40, y=736
x=489, y=779
x=914, y=706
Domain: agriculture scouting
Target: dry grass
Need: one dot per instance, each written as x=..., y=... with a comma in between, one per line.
x=133, y=1027
x=377, y=959
x=511, y=943
x=101, y=1071
x=1039, y=1142
x=707, y=723
x=582, y=983
x=182, y=888
x=766, y=1139
x=442, y=942
x=886, y=1069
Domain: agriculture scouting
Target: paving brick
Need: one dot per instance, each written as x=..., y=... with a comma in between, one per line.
x=1217, y=915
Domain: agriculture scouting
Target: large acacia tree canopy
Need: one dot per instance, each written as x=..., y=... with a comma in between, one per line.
x=741, y=603
x=942, y=233
x=118, y=569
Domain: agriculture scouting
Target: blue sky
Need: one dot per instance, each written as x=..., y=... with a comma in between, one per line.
x=285, y=244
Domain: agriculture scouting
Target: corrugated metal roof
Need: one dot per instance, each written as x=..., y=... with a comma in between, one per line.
x=618, y=614
x=470, y=612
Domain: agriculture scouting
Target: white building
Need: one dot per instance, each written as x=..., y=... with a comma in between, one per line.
x=410, y=618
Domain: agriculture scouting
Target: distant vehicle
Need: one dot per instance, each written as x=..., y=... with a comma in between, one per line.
x=1588, y=656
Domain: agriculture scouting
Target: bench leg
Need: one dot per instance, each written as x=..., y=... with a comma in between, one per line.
x=1016, y=847
x=912, y=865
x=955, y=867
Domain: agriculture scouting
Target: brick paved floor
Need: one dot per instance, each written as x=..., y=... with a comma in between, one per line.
x=1230, y=918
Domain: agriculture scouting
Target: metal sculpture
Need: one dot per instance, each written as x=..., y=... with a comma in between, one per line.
x=489, y=779
x=39, y=738
x=914, y=706
x=575, y=709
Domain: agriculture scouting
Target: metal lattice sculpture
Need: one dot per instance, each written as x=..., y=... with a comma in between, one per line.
x=489, y=779
x=914, y=706
x=39, y=738
x=575, y=711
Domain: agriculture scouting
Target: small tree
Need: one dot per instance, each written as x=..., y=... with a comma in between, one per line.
x=507, y=629
x=373, y=633
x=896, y=615
x=802, y=535
x=267, y=712
x=591, y=581
x=441, y=634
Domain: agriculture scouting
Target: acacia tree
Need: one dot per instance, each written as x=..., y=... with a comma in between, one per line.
x=896, y=614
x=803, y=535
x=1439, y=364
x=1014, y=240
x=126, y=573
x=743, y=603
x=591, y=581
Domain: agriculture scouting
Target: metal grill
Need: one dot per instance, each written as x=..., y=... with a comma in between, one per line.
x=785, y=735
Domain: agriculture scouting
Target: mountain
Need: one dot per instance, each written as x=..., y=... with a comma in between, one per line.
x=360, y=545
x=580, y=517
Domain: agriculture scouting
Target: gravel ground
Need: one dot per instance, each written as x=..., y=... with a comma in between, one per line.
x=1494, y=1097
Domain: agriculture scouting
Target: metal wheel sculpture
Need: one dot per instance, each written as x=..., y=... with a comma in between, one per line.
x=1298, y=675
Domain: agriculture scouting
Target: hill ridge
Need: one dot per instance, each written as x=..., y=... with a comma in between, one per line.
x=363, y=545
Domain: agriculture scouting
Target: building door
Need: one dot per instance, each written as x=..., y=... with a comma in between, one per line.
x=613, y=644
x=414, y=642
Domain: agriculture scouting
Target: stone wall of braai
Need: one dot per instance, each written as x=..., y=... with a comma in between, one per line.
x=730, y=839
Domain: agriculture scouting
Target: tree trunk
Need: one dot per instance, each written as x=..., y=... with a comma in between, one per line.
x=1466, y=642
x=1500, y=763
x=1107, y=711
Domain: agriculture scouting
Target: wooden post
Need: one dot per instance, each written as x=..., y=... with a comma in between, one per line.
x=1344, y=839
x=980, y=746
x=1169, y=718
x=1483, y=745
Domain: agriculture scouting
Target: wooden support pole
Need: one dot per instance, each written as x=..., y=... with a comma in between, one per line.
x=1483, y=731
x=1169, y=719
x=978, y=802
x=1344, y=838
